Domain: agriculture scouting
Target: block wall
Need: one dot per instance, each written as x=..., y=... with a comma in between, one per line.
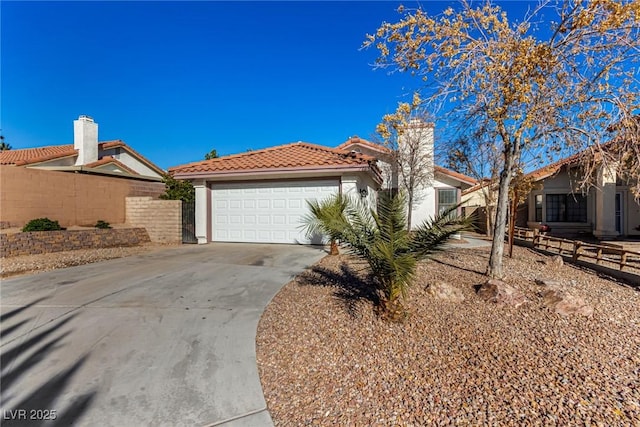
x=69, y=198
x=161, y=218
x=39, y=242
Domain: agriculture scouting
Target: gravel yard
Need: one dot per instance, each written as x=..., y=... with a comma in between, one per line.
x=325, y=358
x=29, y=264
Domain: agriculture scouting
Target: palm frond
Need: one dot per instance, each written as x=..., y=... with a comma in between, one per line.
x=432, y=234
x=381, y=238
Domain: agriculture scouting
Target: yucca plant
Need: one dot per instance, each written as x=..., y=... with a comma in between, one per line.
x=381, y=238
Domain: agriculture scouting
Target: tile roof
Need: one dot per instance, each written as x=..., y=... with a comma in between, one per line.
x=107, y=160
x=456, y=175
x=298, y=156
x=29, y=156
x=479, y=184
x=356, y=140
x=36, y=155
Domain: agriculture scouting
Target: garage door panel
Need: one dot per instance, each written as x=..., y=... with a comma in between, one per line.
x=265, y=212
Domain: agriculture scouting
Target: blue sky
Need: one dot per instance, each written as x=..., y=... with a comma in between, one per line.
x=176, y=79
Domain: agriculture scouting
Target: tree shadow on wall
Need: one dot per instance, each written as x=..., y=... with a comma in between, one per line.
x=19, y=358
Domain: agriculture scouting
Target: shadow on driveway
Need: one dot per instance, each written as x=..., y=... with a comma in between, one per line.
x=20, y=355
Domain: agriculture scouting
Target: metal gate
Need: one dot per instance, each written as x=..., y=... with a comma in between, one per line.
x=189, y=222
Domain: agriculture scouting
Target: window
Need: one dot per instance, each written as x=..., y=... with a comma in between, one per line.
x=566, y=208
x=447, y=198
x=538, y=208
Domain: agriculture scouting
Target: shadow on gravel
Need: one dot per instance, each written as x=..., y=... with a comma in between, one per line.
x=21, y=353
x=439, y=261
x=351, y=287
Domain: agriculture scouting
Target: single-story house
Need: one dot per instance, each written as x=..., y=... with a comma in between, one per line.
x=86, y=155
x=260, y=196
x=607, y=210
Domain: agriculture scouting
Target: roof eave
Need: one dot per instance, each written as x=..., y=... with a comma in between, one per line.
x=275, y=171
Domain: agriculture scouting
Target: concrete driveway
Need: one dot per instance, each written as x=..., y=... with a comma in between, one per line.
x=162, y=339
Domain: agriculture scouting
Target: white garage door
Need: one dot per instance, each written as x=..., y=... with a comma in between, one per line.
x=269, y=212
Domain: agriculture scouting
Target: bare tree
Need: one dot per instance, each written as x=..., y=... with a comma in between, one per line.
x=528, y=85
x=479, y=159
x=408, y=135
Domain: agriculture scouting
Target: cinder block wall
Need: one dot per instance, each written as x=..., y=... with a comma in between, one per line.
x=161, y=218
x=69, y=198
x=40, y=242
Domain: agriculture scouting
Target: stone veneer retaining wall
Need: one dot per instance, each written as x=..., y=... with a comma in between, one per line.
x=161, y=218
x=39, y=242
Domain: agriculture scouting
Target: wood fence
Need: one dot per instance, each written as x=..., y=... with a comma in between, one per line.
x=609, y=255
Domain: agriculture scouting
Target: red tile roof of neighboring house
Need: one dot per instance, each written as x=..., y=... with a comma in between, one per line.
x=106, y=160
x=296, y=156
x=30, y=156
x=36, y=155
x=456, y=175
x=479, y=184
x=355, y=140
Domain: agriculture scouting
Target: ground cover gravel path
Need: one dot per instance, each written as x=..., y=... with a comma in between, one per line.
x=325, y=358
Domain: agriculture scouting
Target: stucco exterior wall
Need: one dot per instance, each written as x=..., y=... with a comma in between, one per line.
x=425, y=208
x=69, y=198
x=161, y=218
x=128, y=160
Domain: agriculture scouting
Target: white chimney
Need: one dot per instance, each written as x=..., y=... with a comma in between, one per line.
x=85, y=140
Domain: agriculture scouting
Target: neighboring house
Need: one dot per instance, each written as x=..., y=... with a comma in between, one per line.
x=86, y=155
x=607, y=210
x=261, y=196
x=478, y=203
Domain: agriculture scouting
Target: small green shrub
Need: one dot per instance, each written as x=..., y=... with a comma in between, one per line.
x=42, y=224
x=102, y=224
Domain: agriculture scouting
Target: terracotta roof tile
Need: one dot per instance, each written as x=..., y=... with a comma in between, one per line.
x=299, y=155
x=456, y=175
x=29, y=156
x=356, y=140
x=106, y=160
x=480, y=184
x=36, y=155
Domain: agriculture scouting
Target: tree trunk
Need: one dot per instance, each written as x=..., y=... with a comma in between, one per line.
x=487, y=220
x=409, y=211
x=333, y=248
x=512, y=221
x=502, y=206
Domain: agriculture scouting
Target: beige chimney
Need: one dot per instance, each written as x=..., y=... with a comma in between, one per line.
x=85, y=140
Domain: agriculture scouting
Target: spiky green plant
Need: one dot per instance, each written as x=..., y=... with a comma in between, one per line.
x=381, y=238
x=325, y=217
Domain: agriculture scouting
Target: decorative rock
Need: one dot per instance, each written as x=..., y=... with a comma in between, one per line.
x=566, y=304
x=557, y=261
x=547, y=282
x=446, y=292
x=497, y=291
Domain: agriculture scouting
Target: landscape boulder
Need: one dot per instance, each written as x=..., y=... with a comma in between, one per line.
x=564, y=303
x=547, y=282
x=445, y=292
x=556, y=261
x=498, y=292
